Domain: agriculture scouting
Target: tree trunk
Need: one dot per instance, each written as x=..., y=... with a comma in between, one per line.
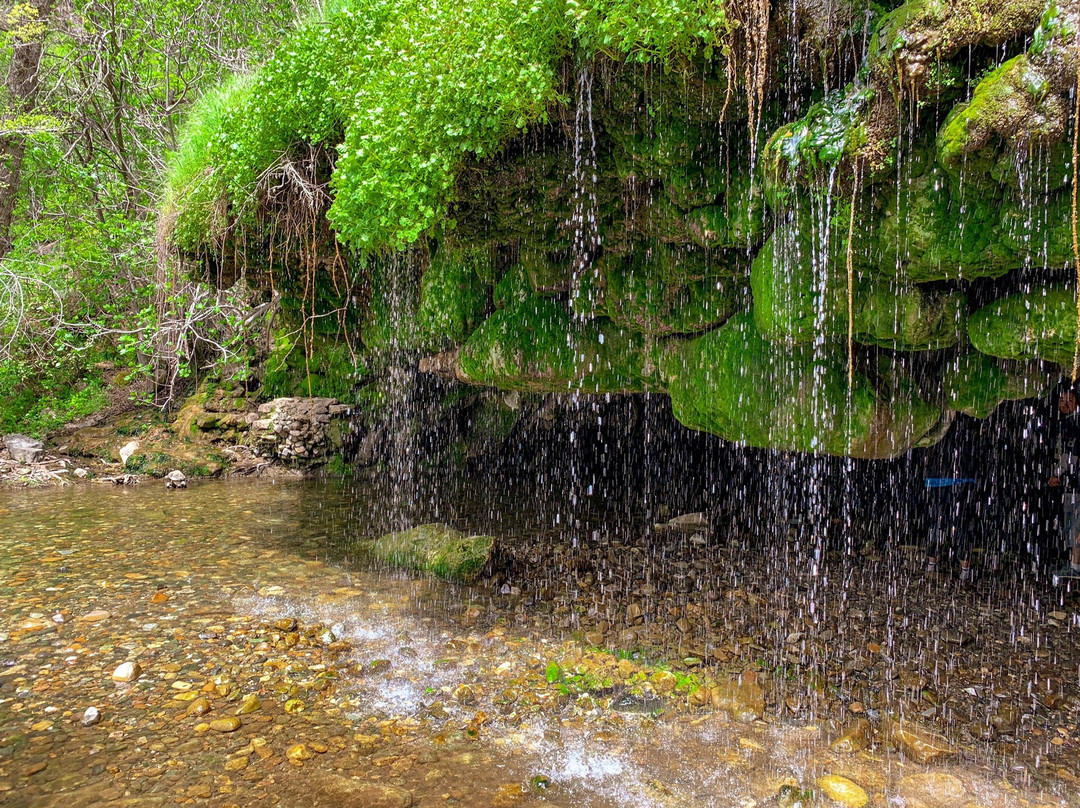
x=21, y=85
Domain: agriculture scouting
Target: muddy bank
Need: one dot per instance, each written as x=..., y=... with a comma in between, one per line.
x=216, y=433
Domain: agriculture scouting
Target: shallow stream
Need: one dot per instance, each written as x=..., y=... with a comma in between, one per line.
x=598, y=662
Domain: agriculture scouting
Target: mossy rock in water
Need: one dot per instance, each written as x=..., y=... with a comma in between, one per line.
x=539, y=346
x=1037, y=325
x=434, y=548
x=975, y=384
x=734, y=383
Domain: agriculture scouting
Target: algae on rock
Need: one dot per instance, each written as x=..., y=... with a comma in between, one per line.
x=438, y=549
x=736, y=384
x=538, y=345
x=1034, y=325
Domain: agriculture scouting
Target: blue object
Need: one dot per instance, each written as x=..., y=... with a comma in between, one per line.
x=946, y=482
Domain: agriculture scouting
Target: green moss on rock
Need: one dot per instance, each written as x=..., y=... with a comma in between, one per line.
x=539, y=346
x=513, y=288
x=975, y=384
x=1037, y=325
x=659, y=291
x=454, y=296
x=934, y=230
x=735, y=383
x=907, y=317
x=326, y=367
x=436, y=549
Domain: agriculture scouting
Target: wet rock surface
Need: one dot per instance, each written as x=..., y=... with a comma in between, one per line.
x=268, y=676
x=302, y=430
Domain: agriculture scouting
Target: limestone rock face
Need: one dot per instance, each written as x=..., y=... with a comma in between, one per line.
x=23, y=449
x=884, y=226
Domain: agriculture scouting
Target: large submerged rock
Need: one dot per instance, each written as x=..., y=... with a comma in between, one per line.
x=438, y=549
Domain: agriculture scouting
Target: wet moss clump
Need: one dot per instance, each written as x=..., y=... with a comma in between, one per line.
x=734, y=383
x=436, y=549
x=1035, y=325
x=657, y=290
x=538, y=345
x=975, y=384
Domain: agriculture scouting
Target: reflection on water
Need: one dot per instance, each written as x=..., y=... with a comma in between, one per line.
x=540, y=683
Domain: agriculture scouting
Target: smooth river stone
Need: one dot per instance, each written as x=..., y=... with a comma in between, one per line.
x=856, y=737
x=920, y=744
x=201, y=706
x=931, y=790
x=846, y=792
x=127, y=672
x=228, y=724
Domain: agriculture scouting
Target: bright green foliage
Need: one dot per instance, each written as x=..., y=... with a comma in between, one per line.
x=36, y=400
x=1037, y=325
x=735, y=383
x=406, y=89
x=649, y=29
x=327, y=368
x=539, y=346
x=830, y=130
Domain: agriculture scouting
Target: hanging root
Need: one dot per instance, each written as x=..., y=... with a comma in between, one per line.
x=756, y=24
x=1073, y=222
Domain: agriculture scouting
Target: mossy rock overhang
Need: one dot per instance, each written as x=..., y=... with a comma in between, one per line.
x=577, y=218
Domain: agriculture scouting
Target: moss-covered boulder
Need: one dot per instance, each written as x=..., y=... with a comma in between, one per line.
x=540, y=346
x=455, y=293
x=740, y=219
x=800, y=292
x=1040, y=324
x=437, y=549
x=735, y=383
x=975, y=384
x=658, y=290
x=934, y=230
x=908, y=318
x=513, y=288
